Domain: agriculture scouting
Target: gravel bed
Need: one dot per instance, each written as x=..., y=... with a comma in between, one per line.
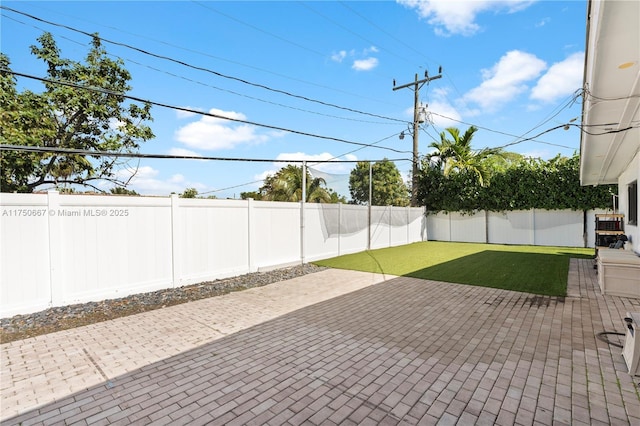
x=66, y=317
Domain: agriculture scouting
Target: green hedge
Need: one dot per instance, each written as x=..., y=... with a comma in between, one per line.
x=530, y=184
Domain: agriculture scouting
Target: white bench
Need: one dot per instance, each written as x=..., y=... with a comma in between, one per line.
x=619, y=272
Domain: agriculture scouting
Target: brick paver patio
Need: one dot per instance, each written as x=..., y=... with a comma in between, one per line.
x=337, y=347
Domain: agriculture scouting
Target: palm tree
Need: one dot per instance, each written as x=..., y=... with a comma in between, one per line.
x=454, y=154
x=286, y=185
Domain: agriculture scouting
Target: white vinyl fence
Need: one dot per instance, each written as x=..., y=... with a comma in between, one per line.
x=565, y=228
x=61, y=249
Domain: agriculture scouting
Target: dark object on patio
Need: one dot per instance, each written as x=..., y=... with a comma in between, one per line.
x=620, y=240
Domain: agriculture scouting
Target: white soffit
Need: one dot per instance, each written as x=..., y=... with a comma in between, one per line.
x=611, y=109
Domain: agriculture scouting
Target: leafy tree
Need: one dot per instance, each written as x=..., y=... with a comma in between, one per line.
x=454, y=154
x=23, y=121
x=189, y=193
x=256, y=195
x=526, y=184
x=69, y=117
x=286, y=185
x=388, y=188
x=119, y=190
x=552, y=184
x=456, y=192
x=336, y=198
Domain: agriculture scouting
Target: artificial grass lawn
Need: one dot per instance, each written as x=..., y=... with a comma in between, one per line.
x=532, y=269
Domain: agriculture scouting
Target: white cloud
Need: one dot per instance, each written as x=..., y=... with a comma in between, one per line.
x=562, y=79
x=212, y=133
x=369, y=50
x=262, y=176
x=184, y=152
x=335, y=174
x=187, y=114
x=544, y=154
x=339, y=57
x=312, y=159
x=147, y=181
x=458, y=17
x=506, y=79
x=440, y=111
x=543, y=22
x=177, y=178
x=362, y=60
x=365, y=64
x=444, y=114
x=115, y=124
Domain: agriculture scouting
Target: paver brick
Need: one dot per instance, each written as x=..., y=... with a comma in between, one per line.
x=336, y=347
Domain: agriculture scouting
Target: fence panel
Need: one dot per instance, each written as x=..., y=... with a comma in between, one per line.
x=353, y=229
x=417, y=227
x=213, y=239
x=514, y=227
x=380, y=233
x=399, y=222
x=78, y=248
x=322, y=231
x=109, y=247
x=558, y=228
x=439, y=227
x=534, y=227
x=591, y=225
x=276, y=233
x=468, y=227
x=24, y=252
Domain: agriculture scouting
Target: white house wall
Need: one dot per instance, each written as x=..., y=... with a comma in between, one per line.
x=631, y=173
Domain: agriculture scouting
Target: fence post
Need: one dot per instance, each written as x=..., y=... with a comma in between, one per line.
x=56, y=278
x=407, y=216
x=250, y=234
x=176, y=225
x=533, y=227
x=486, y=227
x=339, y=226
x=302, y=227
x=302, y=202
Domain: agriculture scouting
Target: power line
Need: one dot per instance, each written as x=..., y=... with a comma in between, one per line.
x=190, y=110
x=566, y=126
x=216, y=87
x=256, y=98
x=199, y=68
x=358, y=149
x=500, y=132
x=208, y=55
x=350, y=31
x=382, y=30
x=91, y=153
x=204, y=69
x=570, y=101
x=253, y=27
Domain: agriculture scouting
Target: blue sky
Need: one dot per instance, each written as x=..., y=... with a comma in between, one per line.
x=510, y=68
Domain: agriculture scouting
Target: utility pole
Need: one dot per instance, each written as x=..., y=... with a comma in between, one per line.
x=416, y=86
